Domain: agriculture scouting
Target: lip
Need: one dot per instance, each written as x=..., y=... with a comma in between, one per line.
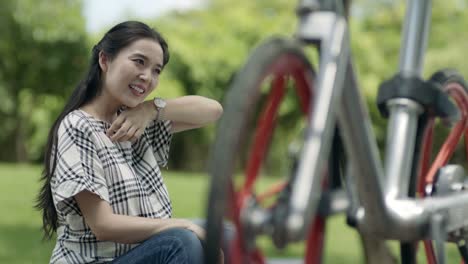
x=140, y=86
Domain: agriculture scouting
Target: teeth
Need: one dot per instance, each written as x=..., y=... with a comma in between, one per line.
x=138, y=89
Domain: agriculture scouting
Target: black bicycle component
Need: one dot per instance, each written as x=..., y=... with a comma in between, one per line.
x=463, y=249
x=280, y=213
x=338, y=6
x=307, y=6
x=427, y=93
x=408, y=250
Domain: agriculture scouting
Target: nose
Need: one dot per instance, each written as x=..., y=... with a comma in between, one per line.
x=146, y=76
x=143, y=76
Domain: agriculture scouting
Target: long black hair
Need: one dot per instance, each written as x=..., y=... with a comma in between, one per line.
x=117, y=38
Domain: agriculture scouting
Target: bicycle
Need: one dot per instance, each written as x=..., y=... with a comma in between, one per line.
x=337, y=168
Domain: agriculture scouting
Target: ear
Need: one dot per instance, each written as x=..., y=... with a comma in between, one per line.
x=103, y=61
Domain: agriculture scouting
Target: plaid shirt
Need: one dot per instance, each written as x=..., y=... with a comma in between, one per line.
x=124, y=174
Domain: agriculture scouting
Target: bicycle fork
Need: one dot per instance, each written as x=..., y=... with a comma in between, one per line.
x=330, y=31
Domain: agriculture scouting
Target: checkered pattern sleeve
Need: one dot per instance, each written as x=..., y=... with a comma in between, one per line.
x=78, y=165
x=160, y=136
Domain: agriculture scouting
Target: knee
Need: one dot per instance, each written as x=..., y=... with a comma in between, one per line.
x=191, y=244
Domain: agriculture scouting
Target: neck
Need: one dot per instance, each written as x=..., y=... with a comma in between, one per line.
x=103, y=107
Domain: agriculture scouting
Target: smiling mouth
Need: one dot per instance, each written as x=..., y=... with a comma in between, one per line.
x=137, y=89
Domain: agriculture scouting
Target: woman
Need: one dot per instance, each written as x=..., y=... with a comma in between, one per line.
x=103, y=192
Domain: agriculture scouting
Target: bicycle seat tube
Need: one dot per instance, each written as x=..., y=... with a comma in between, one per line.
x=404, y=113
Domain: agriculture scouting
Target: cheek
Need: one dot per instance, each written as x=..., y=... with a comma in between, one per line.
x=116, y=76
x=125, y=70
x=155, y=83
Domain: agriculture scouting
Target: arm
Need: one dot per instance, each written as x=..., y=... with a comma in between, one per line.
x=186, y=112
x=190, y=112
x=108, y=226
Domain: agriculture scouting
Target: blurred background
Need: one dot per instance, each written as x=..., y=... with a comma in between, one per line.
x=44, y=51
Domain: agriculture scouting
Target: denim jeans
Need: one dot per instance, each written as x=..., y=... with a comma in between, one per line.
x=173, y=246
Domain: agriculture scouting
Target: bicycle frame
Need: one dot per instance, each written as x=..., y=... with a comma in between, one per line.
x=385, y=208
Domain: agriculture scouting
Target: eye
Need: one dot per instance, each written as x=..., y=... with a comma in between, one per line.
x=157, y=71
x=139, y=61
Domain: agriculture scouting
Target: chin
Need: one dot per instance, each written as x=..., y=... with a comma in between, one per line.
x=132, y=104
x=129, y=104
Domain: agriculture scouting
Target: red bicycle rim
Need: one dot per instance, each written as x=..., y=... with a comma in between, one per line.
x=285, y=66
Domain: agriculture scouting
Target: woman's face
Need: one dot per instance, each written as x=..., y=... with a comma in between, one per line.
x=133, y=73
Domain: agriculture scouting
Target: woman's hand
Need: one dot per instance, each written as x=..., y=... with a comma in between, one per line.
x=221, y=257
x=187, y=224
x=131, y=123
x=201, y=234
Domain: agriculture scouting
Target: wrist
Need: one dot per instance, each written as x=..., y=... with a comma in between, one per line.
x=182, y=223
x=160, y=105
x=151, y=109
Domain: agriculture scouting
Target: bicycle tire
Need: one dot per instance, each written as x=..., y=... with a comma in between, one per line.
x=448, y=80
x=239, y=104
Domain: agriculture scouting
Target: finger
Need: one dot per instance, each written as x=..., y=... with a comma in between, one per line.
x=137, y=135
x=121, y=132
x=139, y=132
x=129, y=135
x=116, y=125
x=221, y=256
x=200, y=232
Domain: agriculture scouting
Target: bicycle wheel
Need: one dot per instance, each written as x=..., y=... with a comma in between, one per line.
x=435, y=156
x=266, y=107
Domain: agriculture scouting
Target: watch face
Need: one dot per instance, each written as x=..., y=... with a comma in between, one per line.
x=160, y=103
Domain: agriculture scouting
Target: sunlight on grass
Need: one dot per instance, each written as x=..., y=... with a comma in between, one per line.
x=20, y=234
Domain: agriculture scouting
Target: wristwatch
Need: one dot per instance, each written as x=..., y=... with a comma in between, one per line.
x=160, y=104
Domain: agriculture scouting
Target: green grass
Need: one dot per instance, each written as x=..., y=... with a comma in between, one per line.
x=20, y=234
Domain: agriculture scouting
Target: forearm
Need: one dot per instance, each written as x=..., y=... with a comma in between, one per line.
x=132, y=229
x=191, y=110
x=108, y=226
x=195, y=110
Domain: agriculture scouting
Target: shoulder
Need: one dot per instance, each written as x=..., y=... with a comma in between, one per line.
x=75, y=121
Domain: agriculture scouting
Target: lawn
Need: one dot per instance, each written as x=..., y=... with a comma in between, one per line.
x=20, y=234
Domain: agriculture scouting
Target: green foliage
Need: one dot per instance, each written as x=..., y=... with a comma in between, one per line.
x=376, y=39
x=448, y=39
x=207, y=47
x=42, y=60
x=210, y=45
x=40, y=57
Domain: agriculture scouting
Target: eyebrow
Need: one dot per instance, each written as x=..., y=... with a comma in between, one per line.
x=138, y=54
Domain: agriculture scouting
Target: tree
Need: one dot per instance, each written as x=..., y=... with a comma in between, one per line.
x=43, y=54
x=209, y=45
x=376, y=40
